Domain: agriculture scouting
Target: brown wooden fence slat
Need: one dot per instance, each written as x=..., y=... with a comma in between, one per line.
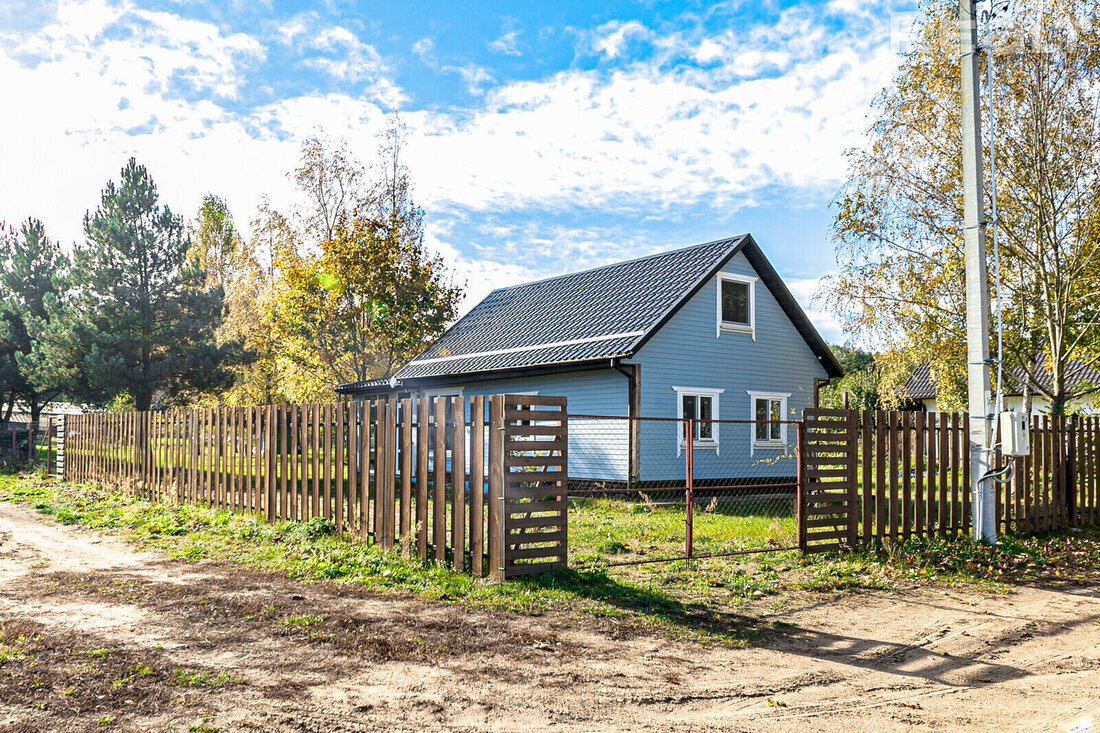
x=906, y=474
x=221, y=456
x=880, y=474
x=405, y=523
x=380, y=451
x=389, y=508
x=852, y=459
x=439, y=463
x=954, y=517
x=1036, y=469
x=268, y=450
x=496, y=487
x=423, y=424
x=1047, y=478
x=919, y=465
x=458, y=479
x=477, y=484
x=341, y=463
x=1065, y=443
x=362, y=494
x=1083, y=470
x=1090, y=515
x=867, y=435
x=893, y=453
x=326, y=465
x=943, y=429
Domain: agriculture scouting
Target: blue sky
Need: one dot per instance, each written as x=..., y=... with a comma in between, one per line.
x=544, y=137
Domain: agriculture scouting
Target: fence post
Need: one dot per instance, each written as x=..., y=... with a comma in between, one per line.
x=1071, y=472
x=496, y=487
x=853, y=478
x=800, y=484
x=689, y=485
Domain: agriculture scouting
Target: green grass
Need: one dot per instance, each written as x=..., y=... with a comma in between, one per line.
x=308, y=619
x=612, y=530
x=186, y=677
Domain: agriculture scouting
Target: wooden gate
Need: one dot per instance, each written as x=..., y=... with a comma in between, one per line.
x=828, y=454
x=531, y=454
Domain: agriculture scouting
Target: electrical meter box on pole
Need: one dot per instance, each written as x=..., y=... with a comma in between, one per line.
x=1014, y=434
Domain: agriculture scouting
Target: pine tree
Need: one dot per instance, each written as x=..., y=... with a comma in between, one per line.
x=33, y=280
x=143, y=320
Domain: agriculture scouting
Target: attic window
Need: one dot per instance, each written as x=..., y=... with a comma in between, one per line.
x=736, y=303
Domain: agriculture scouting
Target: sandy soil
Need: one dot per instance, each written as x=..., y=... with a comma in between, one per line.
x=318, y=657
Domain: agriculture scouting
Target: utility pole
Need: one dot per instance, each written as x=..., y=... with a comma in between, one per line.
x=983, y=511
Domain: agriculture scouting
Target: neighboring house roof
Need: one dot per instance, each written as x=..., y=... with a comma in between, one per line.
x=591, y=316
x=920, y=385
x=51, y=410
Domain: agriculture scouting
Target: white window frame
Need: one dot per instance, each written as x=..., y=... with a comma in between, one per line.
x=730, y=326
x=768, y=444
x=705, y=443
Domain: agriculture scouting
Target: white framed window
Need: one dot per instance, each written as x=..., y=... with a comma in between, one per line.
x=736, y=304
x=697, y=403
x=768, y=411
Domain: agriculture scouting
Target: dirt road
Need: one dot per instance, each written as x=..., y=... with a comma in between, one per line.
x=99, y=637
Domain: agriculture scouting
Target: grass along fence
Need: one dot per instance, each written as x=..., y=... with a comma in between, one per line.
x=875, y=475
x=479, y=483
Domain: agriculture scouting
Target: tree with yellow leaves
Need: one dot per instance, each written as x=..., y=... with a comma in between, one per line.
x=898, y=224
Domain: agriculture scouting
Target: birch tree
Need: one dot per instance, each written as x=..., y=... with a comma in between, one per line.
x=898, y=224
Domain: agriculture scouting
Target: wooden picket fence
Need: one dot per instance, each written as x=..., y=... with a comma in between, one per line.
x=875, y=475
x=478, y=483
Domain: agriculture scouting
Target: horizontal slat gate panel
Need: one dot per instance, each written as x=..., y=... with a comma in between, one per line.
x=535, y=480
x=534, y=553
x=534, y=538
x=532, y=522
x=536, y=461
x=537, y=401
x=828, y=456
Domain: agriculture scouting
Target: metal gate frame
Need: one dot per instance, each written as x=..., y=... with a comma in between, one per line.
x=689, y=487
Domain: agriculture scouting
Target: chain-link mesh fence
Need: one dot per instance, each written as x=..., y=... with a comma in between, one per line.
x=641, y=491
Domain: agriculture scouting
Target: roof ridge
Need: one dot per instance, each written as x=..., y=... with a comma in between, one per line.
x=734, y=241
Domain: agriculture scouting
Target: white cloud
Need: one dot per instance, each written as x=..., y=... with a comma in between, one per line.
x=473, y=76
x=424, y=48
x=709, y=50
x=508, y=41
x=610, y=39
x=641, y=138
x=336, y=51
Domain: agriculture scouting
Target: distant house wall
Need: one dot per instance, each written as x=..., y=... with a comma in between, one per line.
x=690, y=351
x=1039, y=405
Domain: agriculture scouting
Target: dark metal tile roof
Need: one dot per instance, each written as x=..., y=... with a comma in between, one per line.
x=595, y=314
x=919, y=386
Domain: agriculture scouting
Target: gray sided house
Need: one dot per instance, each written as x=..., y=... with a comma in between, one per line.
x=708, y=332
